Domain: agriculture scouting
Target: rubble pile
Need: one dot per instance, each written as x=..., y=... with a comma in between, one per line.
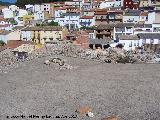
x=60, y=62
x=70, y=50
x=9, y=61
x=110, y=55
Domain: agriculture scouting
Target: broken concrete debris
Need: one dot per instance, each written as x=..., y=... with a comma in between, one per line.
x=90, y=114
x=9, y=61
x=60, y=62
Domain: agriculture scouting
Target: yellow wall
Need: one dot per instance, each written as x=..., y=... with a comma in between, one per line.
x=40, y=35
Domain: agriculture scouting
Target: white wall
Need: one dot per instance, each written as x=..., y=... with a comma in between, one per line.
x=88, y=20
x=22, y=13
x=13, y=8
x=39, y=15
x=59, y=12
x=43, y=7
x=107, y=4
x=130, y=44
x=7, y=13
x=26, y=35
x=151, y=17
x=131, y=19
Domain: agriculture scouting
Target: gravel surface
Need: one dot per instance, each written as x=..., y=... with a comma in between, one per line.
x=129, y=91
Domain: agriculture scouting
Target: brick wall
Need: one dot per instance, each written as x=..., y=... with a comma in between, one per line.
x=82, y=39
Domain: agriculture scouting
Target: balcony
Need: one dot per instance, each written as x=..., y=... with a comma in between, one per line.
x=85, y=23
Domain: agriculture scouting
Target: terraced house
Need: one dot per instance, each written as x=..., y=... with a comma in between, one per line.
x=41, y=35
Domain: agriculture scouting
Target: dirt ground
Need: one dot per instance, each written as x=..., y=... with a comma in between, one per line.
x=129, y=91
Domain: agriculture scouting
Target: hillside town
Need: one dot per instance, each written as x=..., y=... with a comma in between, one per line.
x=89, y=24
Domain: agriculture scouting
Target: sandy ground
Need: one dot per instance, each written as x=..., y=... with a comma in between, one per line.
x=132, y=92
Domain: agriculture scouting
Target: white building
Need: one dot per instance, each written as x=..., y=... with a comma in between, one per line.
x=118, y=3
x=59, y=12
x=142, y=28
x=156, y=27
x=123, y=29
x=87, y=21
x=130, y=42
x=70, y=20
x=39, y=15
x=111, y=3
x=43, y=7
x=74, y=3
x=22, y=12
x=131, y=16
x=143, y=17
x=107, y=4
x=87, y=5
x=13, y=8
x=131, y=19
x=26, y=35
x=153, y=17
x=7, y=13
x=149, y=38
x=9, y=35
x=29, y=7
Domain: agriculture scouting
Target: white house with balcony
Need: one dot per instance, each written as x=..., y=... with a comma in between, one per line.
x=42, y=7
x=111, y=3
x=142, y=28
x=87, y=21
x=131, y=16
x=123, y=29
x=70, y=20
x=107, y=4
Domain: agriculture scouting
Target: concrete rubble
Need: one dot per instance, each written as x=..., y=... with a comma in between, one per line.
x=8, y=61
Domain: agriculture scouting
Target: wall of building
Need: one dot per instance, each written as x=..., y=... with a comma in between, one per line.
x=130, y=44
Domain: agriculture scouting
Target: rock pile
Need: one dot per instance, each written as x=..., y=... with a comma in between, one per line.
x=111, y=55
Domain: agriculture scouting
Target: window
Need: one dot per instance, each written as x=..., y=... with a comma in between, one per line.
x=130, y=45
x=144, y=41
x=152, y=41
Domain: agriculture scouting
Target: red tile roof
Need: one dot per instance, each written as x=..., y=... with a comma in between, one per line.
x=144, y=14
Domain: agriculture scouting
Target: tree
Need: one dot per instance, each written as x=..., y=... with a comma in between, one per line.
x=52, y=23
x=2, y=43
x=119, y=46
